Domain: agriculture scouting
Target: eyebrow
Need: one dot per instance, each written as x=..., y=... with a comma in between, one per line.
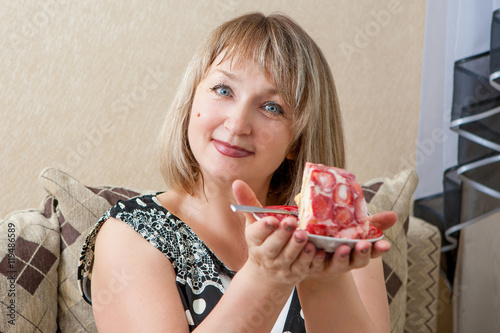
x=228, y=74
x=233, y=77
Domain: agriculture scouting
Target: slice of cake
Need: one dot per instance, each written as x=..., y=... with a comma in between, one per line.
x=331, y=203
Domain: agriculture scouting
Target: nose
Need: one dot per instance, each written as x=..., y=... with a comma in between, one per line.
x=238, y=119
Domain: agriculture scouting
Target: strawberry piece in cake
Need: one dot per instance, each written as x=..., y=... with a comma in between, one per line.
x=331, y=203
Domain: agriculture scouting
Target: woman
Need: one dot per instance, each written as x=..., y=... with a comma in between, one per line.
x=257, y=102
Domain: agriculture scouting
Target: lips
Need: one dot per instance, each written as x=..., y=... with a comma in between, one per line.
x=229, y=150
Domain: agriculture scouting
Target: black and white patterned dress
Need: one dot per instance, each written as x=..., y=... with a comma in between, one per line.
x=201, y=277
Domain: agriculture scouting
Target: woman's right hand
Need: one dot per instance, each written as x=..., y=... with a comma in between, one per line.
x=278, y=253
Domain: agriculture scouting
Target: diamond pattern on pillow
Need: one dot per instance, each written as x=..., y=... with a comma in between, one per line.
x=69, y=235
x=78, y=209
x=370, y=191
x=394, y=194
x=34, y=262
x=113, y=194
x=28, y=273
x=392, y=281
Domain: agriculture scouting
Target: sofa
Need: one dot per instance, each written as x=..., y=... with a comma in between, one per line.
x=40, y=251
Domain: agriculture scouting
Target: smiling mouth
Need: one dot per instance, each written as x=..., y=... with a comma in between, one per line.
x=229, y=150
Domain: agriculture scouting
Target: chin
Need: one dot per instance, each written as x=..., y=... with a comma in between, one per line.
x=223, y=174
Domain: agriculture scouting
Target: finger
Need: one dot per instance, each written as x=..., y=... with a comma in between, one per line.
x=303, y=264
x=361, y=254
x=276, y=242
x=296, y=244
x=244, y=195
x=257, y=232
x=379, y=248
x=340, y=259
x=383, y=220
x=318, y=263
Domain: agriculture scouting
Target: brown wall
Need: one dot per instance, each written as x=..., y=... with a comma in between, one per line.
x=84, y=85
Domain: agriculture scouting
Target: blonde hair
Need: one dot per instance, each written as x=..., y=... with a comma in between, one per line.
x=297, y=68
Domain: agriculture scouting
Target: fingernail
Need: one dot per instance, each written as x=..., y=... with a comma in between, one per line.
x=289, y=227
x=270, y=226
x=319, y=256
x=364, y=250
x=298, y=239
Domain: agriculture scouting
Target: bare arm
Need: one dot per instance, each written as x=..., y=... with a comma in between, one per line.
x=355, y=302
x=370, y=283
x=148, y=300
x=347, y=292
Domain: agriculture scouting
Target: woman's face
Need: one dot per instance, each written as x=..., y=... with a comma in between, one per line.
x=240, y=127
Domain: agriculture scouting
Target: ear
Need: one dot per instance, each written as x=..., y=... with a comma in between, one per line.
x=292, y=152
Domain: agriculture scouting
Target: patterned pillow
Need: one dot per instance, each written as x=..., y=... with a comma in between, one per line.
x=394, y=194
x=29, y=257
x=78, y=209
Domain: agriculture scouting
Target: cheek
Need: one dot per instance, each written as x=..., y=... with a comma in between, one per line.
x=266, y=137
x=193, y=129
x=201, y=127
x=275, y=136
x=203, y=111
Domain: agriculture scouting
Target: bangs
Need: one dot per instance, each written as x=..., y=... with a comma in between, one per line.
x=272, y=47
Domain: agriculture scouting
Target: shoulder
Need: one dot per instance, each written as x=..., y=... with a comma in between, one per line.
x=128, y=270
x=120, y=243
x=147, y=216
x=118, y=239
x=144, y=203
x=139, y=223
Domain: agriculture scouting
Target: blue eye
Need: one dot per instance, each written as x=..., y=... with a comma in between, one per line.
x=223, y=91
x=273, y=108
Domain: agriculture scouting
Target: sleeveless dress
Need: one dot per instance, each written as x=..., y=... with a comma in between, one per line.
x=201, y=278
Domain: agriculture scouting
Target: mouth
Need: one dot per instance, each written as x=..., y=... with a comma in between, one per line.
x=227, y=149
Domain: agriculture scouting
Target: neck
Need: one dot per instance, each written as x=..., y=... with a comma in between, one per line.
x=216, y=191
x=209, y=214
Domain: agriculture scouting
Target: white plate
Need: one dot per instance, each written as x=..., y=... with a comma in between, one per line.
x=330, y=244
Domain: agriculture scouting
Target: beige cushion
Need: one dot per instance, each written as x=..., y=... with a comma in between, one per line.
x=29, y=257
x=394, y=194
x=79, y=207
